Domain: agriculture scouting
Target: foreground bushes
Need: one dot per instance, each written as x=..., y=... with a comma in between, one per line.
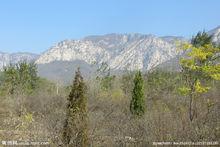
x=110, y=120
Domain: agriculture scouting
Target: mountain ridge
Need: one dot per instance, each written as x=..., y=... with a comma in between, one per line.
x=113, y=49
x=127, y=51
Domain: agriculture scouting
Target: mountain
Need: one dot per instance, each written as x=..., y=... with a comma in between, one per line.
x=119, y=51
x=215, y=35
x=6, y=58
x=70, y=50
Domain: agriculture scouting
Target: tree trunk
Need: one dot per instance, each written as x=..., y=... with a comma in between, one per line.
x=190, y=107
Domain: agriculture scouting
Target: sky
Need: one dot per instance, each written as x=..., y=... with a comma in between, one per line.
x=36, y=25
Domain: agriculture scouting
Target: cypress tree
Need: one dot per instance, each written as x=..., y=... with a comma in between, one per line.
x=75, y=127
x=137, y=105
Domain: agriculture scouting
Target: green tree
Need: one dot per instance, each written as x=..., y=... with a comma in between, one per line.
x=137, y=105
x=10, y=79
x=21, y=77
x=199, y=66
x=28, y=71
x=201, y=39
x=75, y=126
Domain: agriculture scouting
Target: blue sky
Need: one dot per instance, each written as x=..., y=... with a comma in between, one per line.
x=36, y=25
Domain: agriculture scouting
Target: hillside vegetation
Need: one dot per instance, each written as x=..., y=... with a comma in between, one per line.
x=132, y=108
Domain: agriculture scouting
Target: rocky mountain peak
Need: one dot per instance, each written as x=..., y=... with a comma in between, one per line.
x=120, y=51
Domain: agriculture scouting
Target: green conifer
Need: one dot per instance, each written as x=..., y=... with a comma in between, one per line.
x=137, y=105
x=201, y=39
x=75, y=127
